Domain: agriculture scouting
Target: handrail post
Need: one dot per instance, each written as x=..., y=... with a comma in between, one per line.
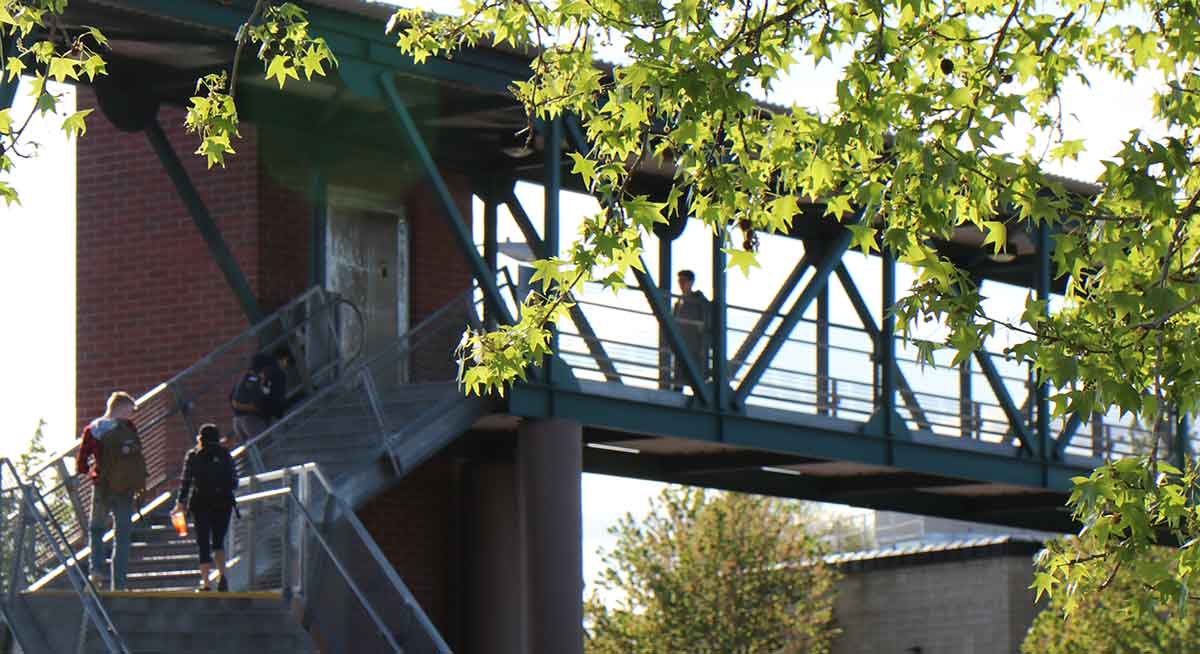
x=69, y=482
x=252, y=540
x=18, y=543
x=285, y=548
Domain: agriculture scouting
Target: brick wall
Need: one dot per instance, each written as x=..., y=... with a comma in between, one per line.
x=972, y=606
x=414, y=524
x=150, y=300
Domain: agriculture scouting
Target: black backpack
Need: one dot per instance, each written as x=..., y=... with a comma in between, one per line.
x=213, y=476
x=250, y=394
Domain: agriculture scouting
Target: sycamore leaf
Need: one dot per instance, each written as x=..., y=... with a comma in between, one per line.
x=62, y=69
x=743, y=259
x=584, y=167
x=863, y=238
x=14, y=67
x=74, y=124
x=281, y=68
x=997, y=235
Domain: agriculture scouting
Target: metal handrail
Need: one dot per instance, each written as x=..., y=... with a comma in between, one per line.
x=402, y=346
x=333, y=557
x=56, y=538
x=171, y=399
x=313, y=471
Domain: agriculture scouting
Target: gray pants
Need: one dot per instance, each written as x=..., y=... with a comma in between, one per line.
x=246, y=427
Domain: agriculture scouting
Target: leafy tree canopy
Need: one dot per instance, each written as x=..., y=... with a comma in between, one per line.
x=713, y=572
x=910, y=152
x=1126, y=618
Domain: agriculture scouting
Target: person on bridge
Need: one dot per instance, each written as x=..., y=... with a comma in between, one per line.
x=206, y=490
x=691, y=314
x=110, y=455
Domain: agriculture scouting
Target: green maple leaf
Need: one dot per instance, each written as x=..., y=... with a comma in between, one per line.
x=997, y=235
x=783, y=209
x=743, y=259
x=74, y=124
x=584, y=167
x=62, y=69
x=14, y=67
x=5, y=121
x=281, y=69
x=863, y=238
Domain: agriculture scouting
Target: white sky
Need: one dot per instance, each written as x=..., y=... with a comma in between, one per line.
x=37, y=340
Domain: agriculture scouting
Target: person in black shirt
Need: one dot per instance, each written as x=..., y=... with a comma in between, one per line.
x=207, y=492
x=692, y=314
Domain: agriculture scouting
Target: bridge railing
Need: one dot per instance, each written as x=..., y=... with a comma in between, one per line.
x=834, y=369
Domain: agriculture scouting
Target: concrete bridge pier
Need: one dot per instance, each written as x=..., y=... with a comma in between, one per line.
x=526, y=545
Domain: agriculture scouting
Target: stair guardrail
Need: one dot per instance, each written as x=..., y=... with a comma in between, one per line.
x=32, y=538
x=283, y=543
x=424, y=354
x=325, y=335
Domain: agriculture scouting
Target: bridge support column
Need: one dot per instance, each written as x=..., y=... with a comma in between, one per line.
x=496, y=621
x=549, y=468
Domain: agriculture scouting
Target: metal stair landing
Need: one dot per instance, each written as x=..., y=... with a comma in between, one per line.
x=176, y=623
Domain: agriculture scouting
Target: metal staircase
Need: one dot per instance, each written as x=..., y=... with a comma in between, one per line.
x=355, y=427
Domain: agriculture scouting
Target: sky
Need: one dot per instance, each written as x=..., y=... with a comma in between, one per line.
x=37, y=340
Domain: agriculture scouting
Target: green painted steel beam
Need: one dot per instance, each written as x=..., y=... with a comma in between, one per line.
x=828, y=261
x=869, y=326
x=595, y=347
x=1068, y=432
x=458, y=227
x=1016, y=421
x=204, y=222
x=657, y=301
x=719, y=333
x=807, y=436
x=770, y=313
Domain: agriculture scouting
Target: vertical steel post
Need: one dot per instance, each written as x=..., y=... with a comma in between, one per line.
x=491, y=248
x=1182, y=452
x=552, y=136
x=665, y=370
x=719, y=334
x=966, y=408
x=285, y=537
x=823, y=404
x=887, y=342
x=1042, y=390
x=318, y=222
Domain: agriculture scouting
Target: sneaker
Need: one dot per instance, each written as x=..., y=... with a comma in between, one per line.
x=222, y=586
x=203, y=588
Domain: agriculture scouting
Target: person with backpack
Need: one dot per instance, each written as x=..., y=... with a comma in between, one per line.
x=110, y=454
x=206, y=491
x=260, y=394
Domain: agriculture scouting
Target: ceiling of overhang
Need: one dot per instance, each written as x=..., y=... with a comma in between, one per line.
x=467, y=127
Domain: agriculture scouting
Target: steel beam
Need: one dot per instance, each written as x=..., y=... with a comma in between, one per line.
x=719, y=333
x=1068, y=432
x=828, y=261
x=666, y=321
x=466, y=242
x=823, y=395
x=1042, y=390
x=204, y=222
x=664, y=286
x=318, y=223
x=868, y=323
x=552, y=134
x=770, y=313
x=594, y=346
x=659, y=304
x=886, y=346
x=1016, y=421
x=491, y=247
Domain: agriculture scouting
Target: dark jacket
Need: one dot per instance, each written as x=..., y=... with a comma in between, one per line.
x=209, y=478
